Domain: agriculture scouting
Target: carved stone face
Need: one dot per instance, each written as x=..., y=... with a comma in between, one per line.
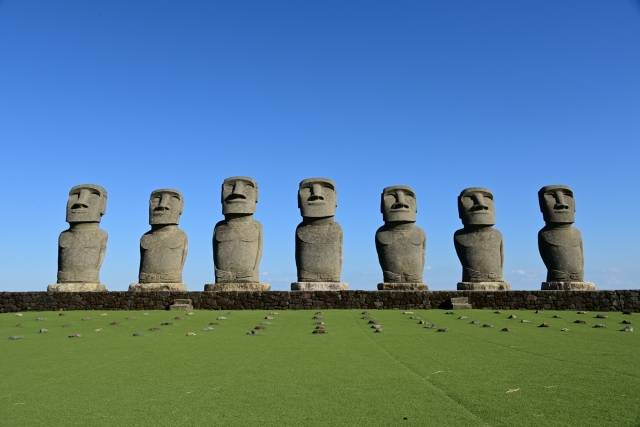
x=86, y=203
x=475, y=207
x=239, y=195
x=557, y=204
x=317, y=198
x=398, y=203
x=165, y=207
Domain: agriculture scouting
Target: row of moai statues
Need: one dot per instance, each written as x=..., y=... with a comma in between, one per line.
x=237, y=241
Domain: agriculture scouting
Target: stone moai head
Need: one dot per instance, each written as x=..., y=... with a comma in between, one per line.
x=86, y=203
x=239, y=195
x=165, y=207
x=475, y=207
x=557, y=204
x=317, y=198
x=398, y=204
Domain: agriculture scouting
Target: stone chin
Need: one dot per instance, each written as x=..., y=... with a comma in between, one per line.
x=317, y=210
x=238, y=208
x=164, y=219
x=84, y=216
x=399, y=216
x=485, y=218
x=562, y=217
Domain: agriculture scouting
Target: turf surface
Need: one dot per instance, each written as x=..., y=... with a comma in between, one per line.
x=119, y=372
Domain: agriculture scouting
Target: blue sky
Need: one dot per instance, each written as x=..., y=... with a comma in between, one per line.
x=439, y=95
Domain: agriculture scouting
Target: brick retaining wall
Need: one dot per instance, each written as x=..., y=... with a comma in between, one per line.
x=623, y=300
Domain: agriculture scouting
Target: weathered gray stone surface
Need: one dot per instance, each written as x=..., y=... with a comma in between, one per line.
x=184, y=304
x=400, y=243
x=163, y=249
x=237, y=240
x=237, y=286
x=560, y=243
x=318, y=236
x=82, y=247
x=319, y=286
x=568, y=286
x=478, y=244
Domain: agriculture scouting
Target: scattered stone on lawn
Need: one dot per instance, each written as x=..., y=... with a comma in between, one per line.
x=190, y=334
x=449, y=312
x=628, y=313
x=407, y=312
x=505, y=330
x=319, y=331
x=190, y=313
x=442, y=330
x=41, y=319
x=421, y=322
x=429, y=326
x=627, y=329
x=146, y=314
x=154, y=329
x=497, y=312
x=377, y=326
x=16, y=337
x=372, y=322
x=599, y=325
x=103, y=314
x=487, y=325
x=221, y=318
x=538, y=311
x=316, y=317
x=213, y=323
x=462, y=317
x=60, y=314
x=43, y=330
x=581, y=312
x=252, y=332
x=208, y=328
x=97, y=330
x=114, y=323
x=166, y=323
x=580, y=321
x=600, y=316
x=19, y=314
x=626, y=322
x=525, y=321
x=512, y=316
x=259, y=327
x=268, y=317
x=178, y=318
x=544, y=325
x=76, y=335
x=265, y=323
x=273, y=313
x=137, y=334
x=555, y=316
x=564, y=330
x=474, y=322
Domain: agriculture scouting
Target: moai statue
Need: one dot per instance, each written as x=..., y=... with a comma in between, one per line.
x=82, y=247
x=318, y=238
x=237, y=240
x=163, y=249
x=560, y=244
x=400, y=243
x=478, y=244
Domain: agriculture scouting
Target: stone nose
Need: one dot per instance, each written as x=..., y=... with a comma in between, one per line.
x=163, y=205
x=401, y=201
x=83, y=200
x=316, y=192
x=479, y=203
x=561, y=202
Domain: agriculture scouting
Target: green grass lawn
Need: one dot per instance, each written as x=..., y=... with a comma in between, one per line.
x=285, y=375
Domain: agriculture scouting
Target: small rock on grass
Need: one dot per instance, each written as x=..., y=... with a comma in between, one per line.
x=208, y=328
x=600, y=316
x=599, y=325
x=60, y=314
x=154, y=329
x=564, y=330
x=474, y=322
x=505, y=330
x=627, y=329
x=76, y=335
x=497, y=312
x=449, y=312
x=43, y=330
x=166, y=323
x=512, y=316
x=544, y=325
x=221, y=318
x=137, y=334
x=252, y=332
x=41, y=319
x=319, y=331
x=97, y=330
x=628, y=313
x=190, y=334
x=268, y=317
x=555, y=316
x=525, y=321
x=16, y=337
x=487, y=325
x=114, y=323
x=581, y=312
x=580, y=321
x=259, y=327
x=442, y=330
x=407, y=312
x=626, y=322
x=19, y=314
x=462, y=317
x=177, y=318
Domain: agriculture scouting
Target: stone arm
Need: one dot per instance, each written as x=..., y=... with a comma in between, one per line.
x=256, y=265
x=424, y=251
x=501, y=255
x=103, y=248
x=185, y=250
x=340, y=238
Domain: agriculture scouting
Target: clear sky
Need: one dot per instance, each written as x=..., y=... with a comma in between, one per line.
x=440, y=95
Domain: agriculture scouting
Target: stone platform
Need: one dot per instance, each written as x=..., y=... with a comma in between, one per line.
x=236, y=287
x=157, y=287
x=77, y=287
x=568, y=286
x=402, y=286
x=319, y=286
x=483, y=286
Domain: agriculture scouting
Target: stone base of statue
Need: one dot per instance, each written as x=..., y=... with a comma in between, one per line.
x=484, y=286
x=319, y=286
x=77, y=287
x=237, y=287
x=157, y=287
x=402, y=286
x=568, y=286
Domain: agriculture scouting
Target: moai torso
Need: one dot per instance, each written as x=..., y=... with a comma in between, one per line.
x=561, y=251
x=162, y=256
x=319, y=251
x=80, y=254
x=480, y=253
x=401, y=252
x=237, y=247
